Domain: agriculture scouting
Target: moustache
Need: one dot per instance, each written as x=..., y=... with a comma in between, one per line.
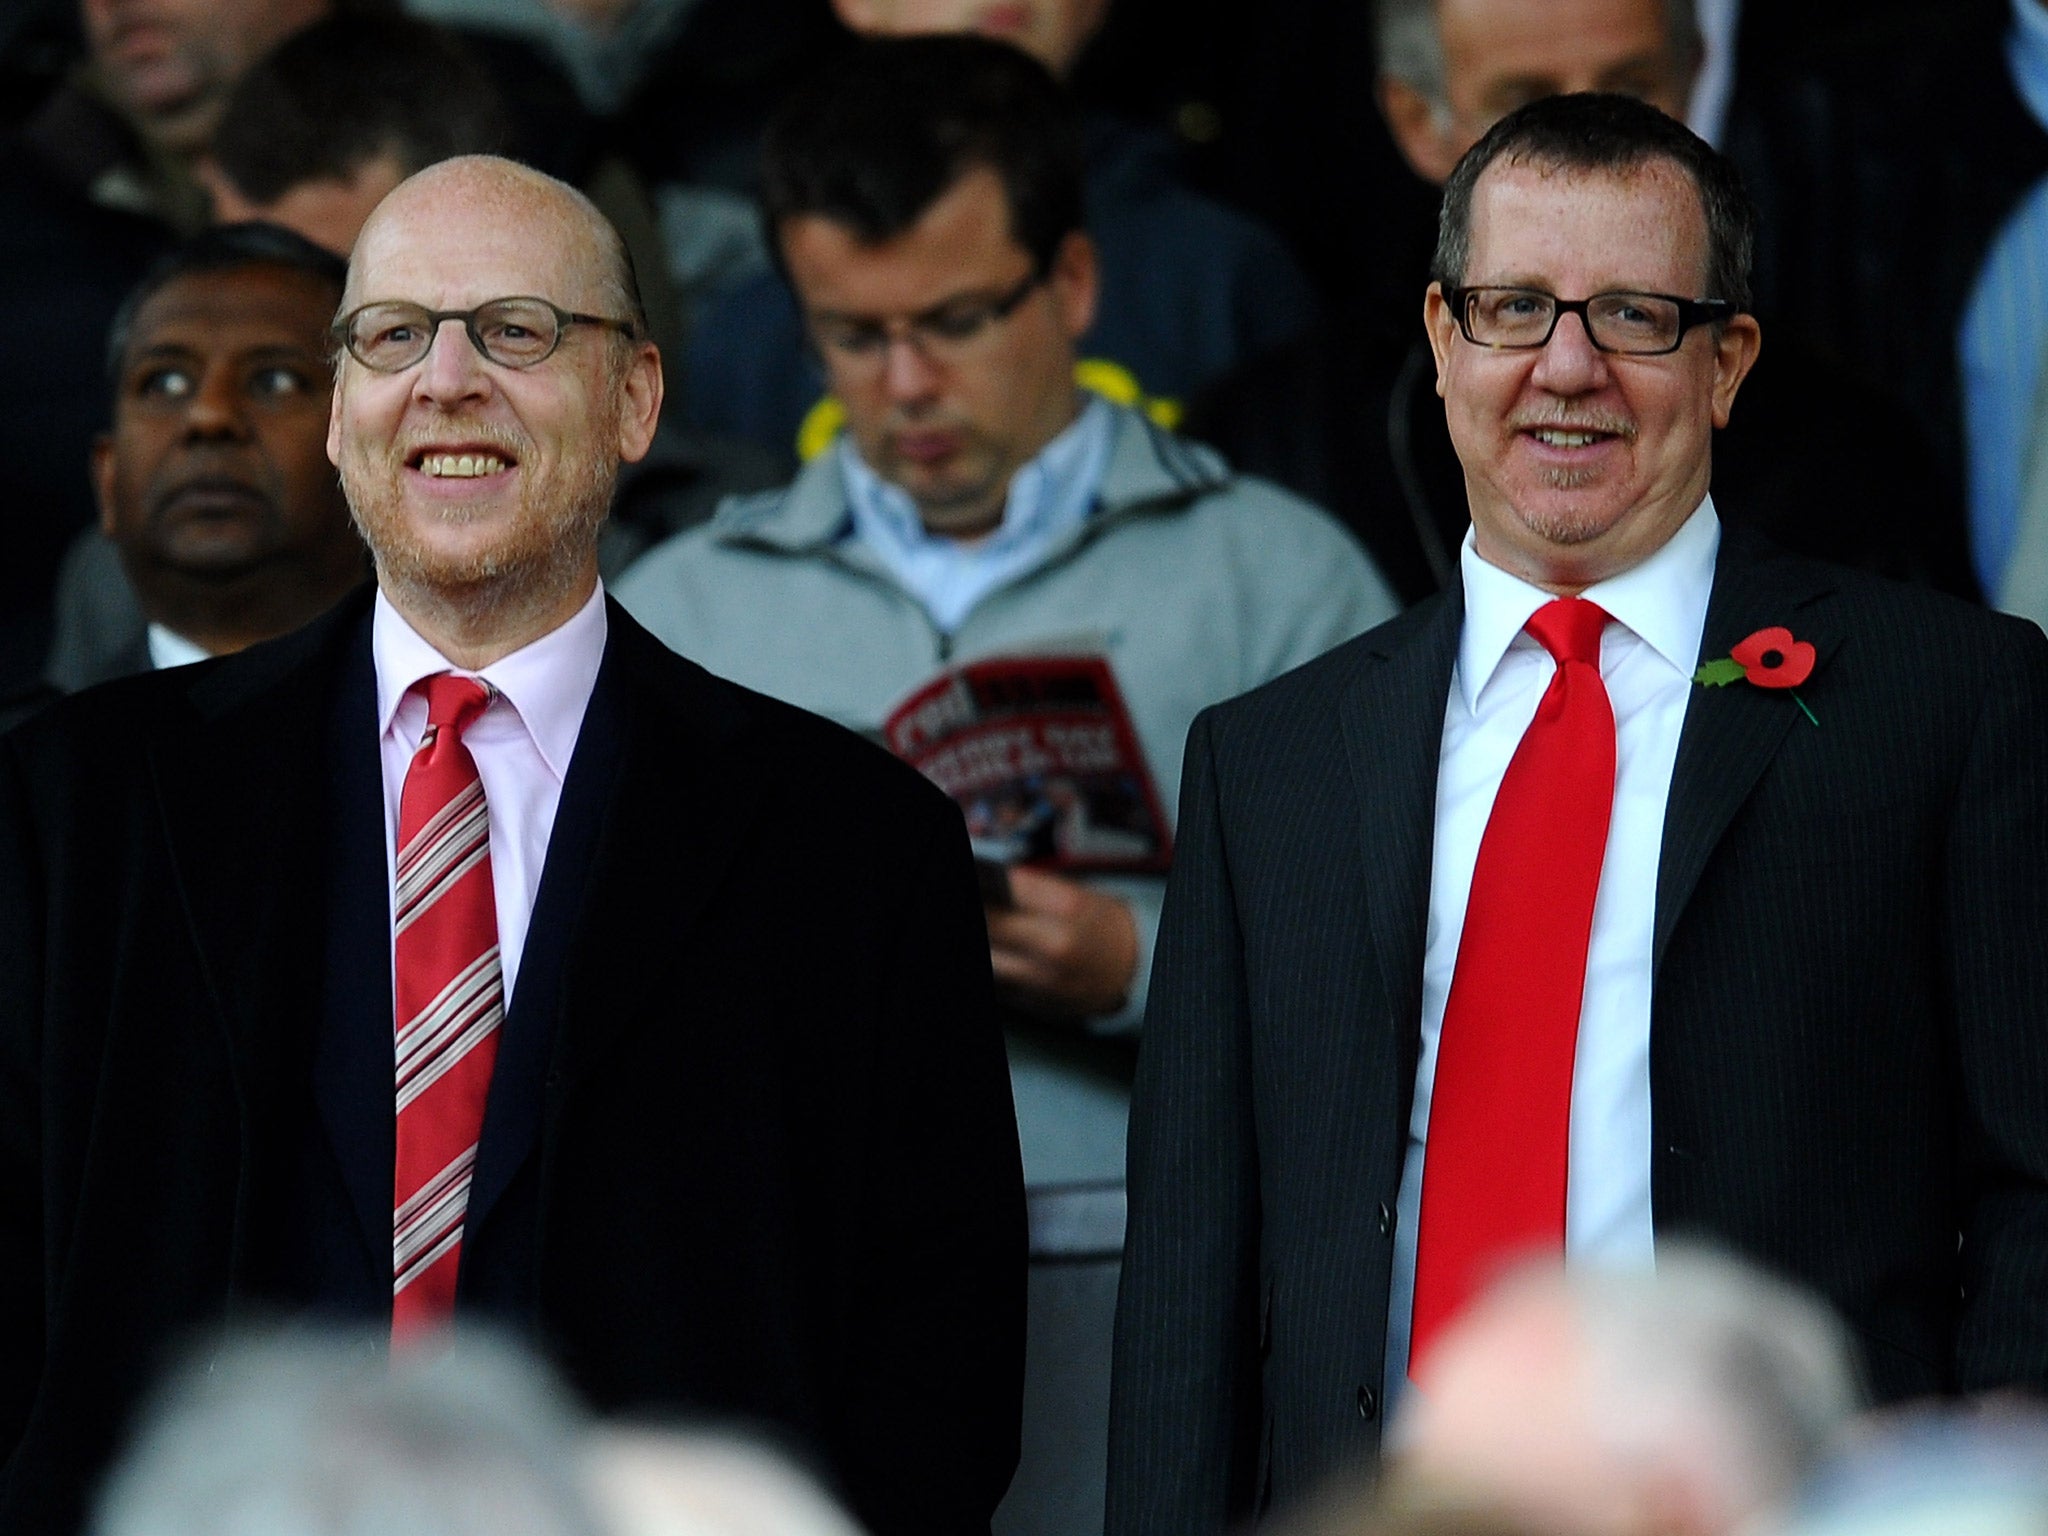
x=455, y=429
x=1580, y=420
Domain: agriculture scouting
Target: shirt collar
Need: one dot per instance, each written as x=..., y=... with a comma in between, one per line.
x=168, y=648
x=547, y=683
x=1040, y=502
x=1662, y=601
x=2026, y=56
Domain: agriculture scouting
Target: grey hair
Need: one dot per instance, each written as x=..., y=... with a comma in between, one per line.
x=1411, y=49
x=319, y=1434
x=1712, y=1364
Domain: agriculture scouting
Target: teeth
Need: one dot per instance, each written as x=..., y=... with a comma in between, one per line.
x=461, y=466
x=1557, y=437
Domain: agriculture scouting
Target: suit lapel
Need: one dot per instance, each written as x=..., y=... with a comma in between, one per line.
x=1731, y=733
x=512, y=1116
x=658, y=797
x=1393, y=719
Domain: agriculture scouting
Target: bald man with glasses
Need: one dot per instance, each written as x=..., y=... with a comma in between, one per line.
x=435, y=962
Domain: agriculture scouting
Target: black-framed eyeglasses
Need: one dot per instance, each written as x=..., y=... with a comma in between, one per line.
x=939, y=335
x=391, y=336
x=1634, y=324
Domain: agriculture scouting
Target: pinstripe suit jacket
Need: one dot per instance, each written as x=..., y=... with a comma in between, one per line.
x=1848, y=1040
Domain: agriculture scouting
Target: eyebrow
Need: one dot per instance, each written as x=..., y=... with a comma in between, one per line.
x=160, y=353
x=265, y=351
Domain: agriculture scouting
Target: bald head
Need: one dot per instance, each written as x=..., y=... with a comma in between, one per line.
x=520, y=203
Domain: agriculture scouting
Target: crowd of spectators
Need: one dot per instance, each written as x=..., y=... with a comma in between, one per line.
x=1154, y=388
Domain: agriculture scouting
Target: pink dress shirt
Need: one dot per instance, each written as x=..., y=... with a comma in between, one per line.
x=522, y=744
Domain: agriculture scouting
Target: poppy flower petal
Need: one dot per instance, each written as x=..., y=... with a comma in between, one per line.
x=1750, y=653
x=1771, y=658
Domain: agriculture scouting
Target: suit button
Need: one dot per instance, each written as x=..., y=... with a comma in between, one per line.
x=1368, y=1402
x=1386, y=1219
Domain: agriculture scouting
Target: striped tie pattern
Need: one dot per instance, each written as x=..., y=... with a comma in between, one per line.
x=450, y=1000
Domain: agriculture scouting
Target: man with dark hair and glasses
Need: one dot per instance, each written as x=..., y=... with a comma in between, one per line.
x=1188, y=286
x=981, y=502
x=467, y=953
x=1646, y=883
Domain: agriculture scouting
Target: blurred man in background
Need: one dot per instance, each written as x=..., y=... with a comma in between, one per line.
x=326, y=124
x=93, y=187
x=221, y=522
x=1189, y=286
x=979, y=502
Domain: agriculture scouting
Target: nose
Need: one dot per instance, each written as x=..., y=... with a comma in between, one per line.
x=1569, y=363
x=452, y=371
x=907, y=373
x=217, y=409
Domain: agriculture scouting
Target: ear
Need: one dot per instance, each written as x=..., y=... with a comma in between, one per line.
x=334, y=413
x=1442, y=326
x=103, y=480
x=640, y=393
x=1735, y=353
x=1076, y=283
x=1412, y=118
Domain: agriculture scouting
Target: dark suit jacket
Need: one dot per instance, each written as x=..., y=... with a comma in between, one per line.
x=749, y=1149
x=1847, y=1054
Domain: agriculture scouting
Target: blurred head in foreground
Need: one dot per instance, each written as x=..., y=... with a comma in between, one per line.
x=1679, y=1403
x=302, y=1434
x=650, y=1482
x=1945, y=1473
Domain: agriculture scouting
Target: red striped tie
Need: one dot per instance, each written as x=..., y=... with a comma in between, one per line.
x=1495, y=1165
x=450, y=1002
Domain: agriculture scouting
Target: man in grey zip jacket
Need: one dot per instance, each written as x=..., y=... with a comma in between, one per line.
x=981, y=503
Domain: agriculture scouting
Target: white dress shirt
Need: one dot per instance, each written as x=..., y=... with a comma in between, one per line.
x=522, y=743
x=1647, y=658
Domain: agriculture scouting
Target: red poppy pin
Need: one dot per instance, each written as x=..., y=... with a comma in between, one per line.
x=1770, y=658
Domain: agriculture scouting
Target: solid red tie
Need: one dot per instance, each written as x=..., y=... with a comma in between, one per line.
x=1499, y=1141
x=450, y=1001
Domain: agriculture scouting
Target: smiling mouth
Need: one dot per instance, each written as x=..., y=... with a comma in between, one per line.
x=459, y=464
x=1570, y=437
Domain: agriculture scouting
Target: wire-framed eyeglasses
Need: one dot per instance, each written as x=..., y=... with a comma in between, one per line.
x=940, y=335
